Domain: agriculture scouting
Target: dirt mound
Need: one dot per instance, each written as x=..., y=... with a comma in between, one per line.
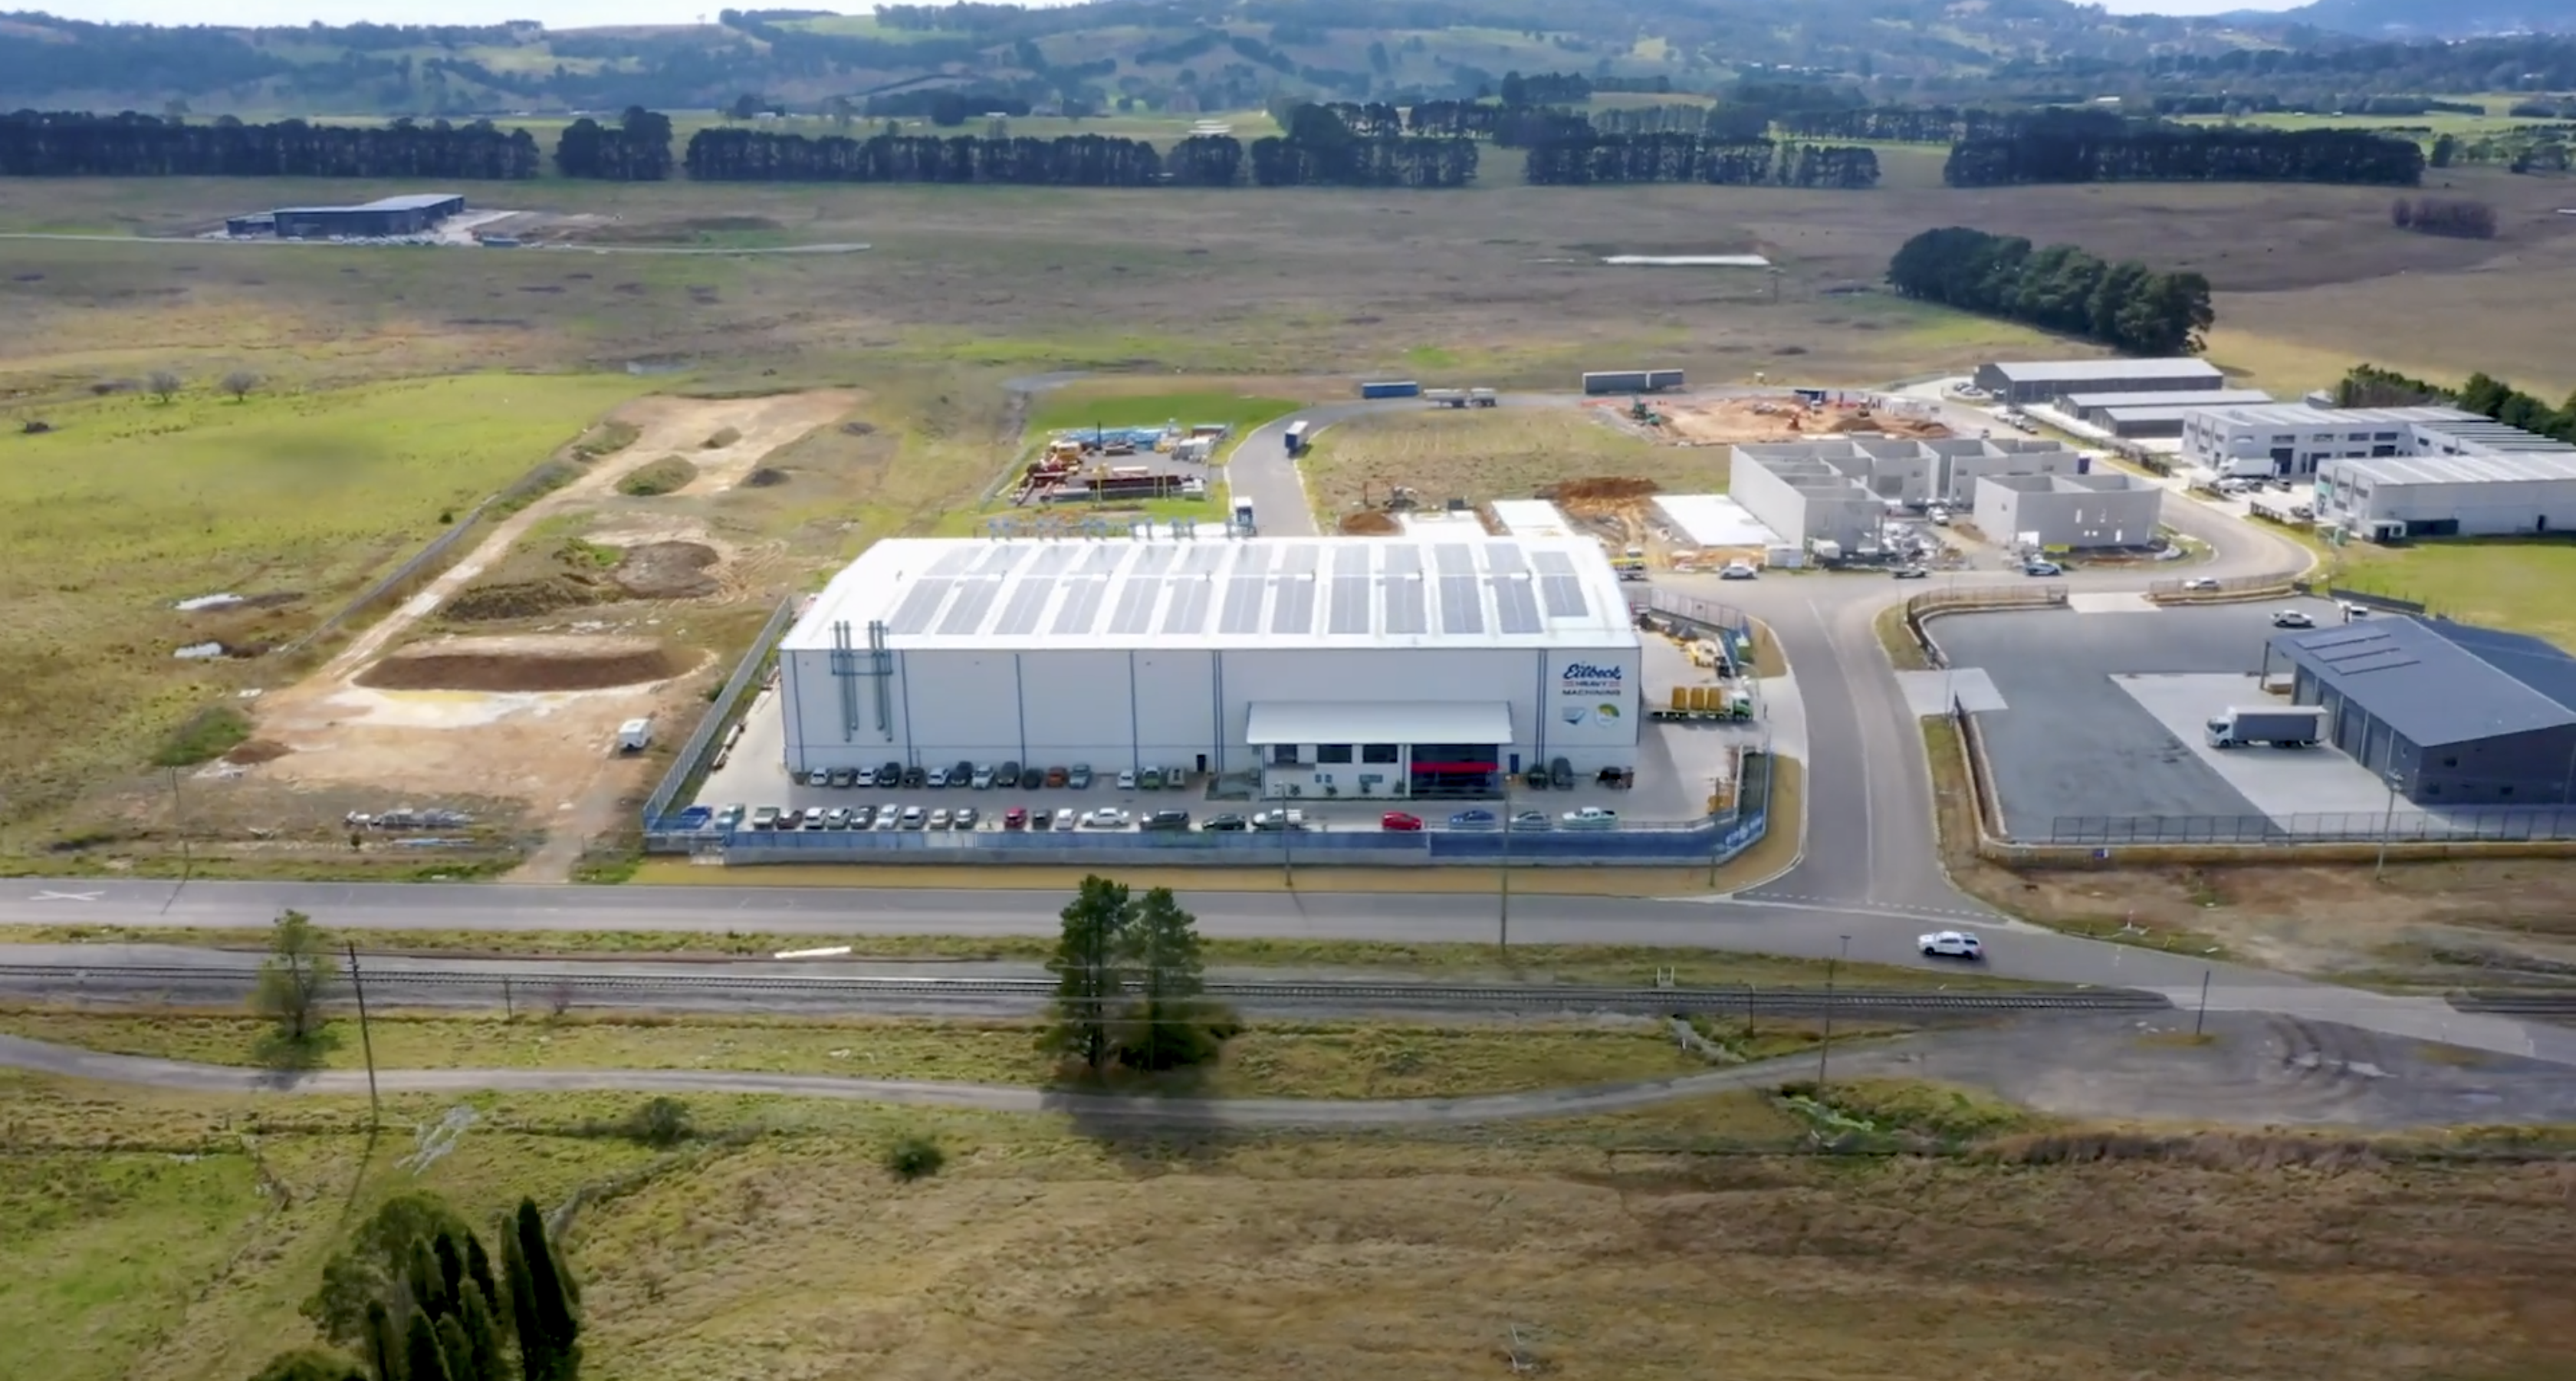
x=1604, y=489
x=257, y=750
x=664, y=476
x=520, y=599
x=667, y=570
x=764, y=477
x=523, y=664
x=1370, y=525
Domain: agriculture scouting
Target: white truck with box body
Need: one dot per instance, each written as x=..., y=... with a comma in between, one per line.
x=2283, y=726
x=635, y=735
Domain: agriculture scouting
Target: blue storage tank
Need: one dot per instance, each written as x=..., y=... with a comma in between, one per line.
x=1391, y=389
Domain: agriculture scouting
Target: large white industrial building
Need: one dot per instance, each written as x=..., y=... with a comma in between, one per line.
x=2527, y=490
x=2282, y=440
x=2053, y=512
x=1840, y=490
x=2040, y=381
x=1323, y=666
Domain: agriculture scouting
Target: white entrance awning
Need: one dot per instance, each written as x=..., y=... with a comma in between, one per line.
x=1375, y=721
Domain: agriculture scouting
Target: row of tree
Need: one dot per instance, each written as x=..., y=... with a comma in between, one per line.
x=2455, y=216
x=1088, y=160
x=2184, y=154
x=1713, y=121
x=2369, y=386
x=78, y=144
x=2061, y=288
x=1600, y=159
x=1902, y=124
x=414, y=1297
x=1129, y=983
x=636, y=149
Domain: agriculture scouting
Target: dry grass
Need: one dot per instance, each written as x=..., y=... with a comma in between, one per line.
x=1040, y=1250
x=1480, y=456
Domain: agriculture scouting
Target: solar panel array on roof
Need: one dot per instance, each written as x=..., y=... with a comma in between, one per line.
x=1292, y=609
x=1055, y=558
x=1242, y=611
x=1515, y=605
x=1404, y=559
x=1134, y=612
x=1204, y=560
x=1564, y=596
x=1028, y=600
x=1462, y=608
x=1254, y=561
x=1349, y=611
x=955, y=561
x=1154, y=560
x=974, y=600
x=1103, y=559
x=1404, y=607
x=1454, y=558
x=1502, y=558
x=920, y=605
x=1187, y=612
x=1081, y=605
x=998, y=560
x=1299, y=560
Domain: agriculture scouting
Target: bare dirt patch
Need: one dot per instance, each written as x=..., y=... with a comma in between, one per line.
x=1728, y=421
x=257, y=750
x=668, y=570
x=524, y=663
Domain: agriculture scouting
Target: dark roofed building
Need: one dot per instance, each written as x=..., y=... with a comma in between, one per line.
x=2457, y=715
x=379, y=219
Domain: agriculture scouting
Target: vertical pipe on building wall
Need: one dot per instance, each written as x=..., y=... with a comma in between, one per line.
x=794, y=737
x=1216, y=692
x=1135, y=750
x=1538, y=708
x=903, y=683
x=1020, y=699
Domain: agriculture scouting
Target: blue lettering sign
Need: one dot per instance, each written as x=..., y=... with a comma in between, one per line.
x=1585, y=671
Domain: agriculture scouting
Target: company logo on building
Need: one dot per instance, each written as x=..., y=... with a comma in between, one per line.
x=1593, y=677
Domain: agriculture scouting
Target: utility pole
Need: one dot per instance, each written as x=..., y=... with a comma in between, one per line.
x=1503, y=931
x=1825, y=1048
x=2203, y=1015
x=2387, y=827
x=366, y=1039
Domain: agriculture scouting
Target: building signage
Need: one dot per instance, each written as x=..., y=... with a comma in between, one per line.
x=1588, y=693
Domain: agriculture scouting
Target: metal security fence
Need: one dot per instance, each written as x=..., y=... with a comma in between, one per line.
x=1707, y=613
x=2323, y=827
x=401, y=575
x=728, y=702
x=2217, y=588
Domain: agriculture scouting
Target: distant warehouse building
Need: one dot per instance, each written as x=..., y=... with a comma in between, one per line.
x=2477, y=495
x=2111, y=509
x=1319, y=667
x=2040, y=381
x=383, y=218
x=2285, y=440
x=2447, y=713
x=1839, y=491
x=2151, y=414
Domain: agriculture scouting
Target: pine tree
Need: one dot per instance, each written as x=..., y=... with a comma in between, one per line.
x=451, y=1275
x=1160, y=946
x=1089, y=979
x=383, y=1350
x=422, y=1359
x=482, y=1338
x=548, y=1304
x=533, y=1354
x=478, y=1266
x=420, y=1272
x=459, y=1352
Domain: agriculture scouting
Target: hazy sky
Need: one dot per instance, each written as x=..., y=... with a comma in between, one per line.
x=566, y=14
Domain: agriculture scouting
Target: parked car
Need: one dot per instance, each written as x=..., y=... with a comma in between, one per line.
x=1016, y=818
x=964, y=818
x=1401, y=821
x=1911, y=573
x=914, y=778
x=2292, y=618
x=1107, y=818
x=1561, y=774
x=1007, y=775
x=1165, y=820
x=2355, y=611
x=1473, y=820
x=983, y=778
x=938, y=819
x=840, y=777
x=1532, y=820
x=2042, y=568
x=890, y=774
x=960, y=773
x=1224, y=824
x=1057, y=776
x=837, y=818
x=914, y=817
x=1275, y=820
x=863, y=817
x=1950, y=944
x=1127, y=781
x=1041, y=819
x=1939, y=517
x=889, y=817
x=1589, y=818
x=1151, y=779
x=1080, y=777
x=1737, y=570
x=865, y=776
x=727, y=820
x=1064, y=820
x=938, y=777
x=2201, y=582
x=765, y=818
x=812, y=820
x=1031, y=779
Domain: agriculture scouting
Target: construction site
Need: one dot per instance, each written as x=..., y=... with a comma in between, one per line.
x=1120, y=465
x=1794, y=415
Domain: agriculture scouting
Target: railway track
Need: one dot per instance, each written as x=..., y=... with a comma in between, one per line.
x=859, y=990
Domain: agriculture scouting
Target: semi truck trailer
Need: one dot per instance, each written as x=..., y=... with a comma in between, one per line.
x=1390, y=388
x=2292, y=726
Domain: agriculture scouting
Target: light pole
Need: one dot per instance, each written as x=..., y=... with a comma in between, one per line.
x=1825, y=1048
x=1503, y=931
x=2387, y=827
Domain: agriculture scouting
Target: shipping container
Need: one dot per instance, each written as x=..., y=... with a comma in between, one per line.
x=1615, y=381
x=1390, y=388
x=1657, y=380
x=1296, y=438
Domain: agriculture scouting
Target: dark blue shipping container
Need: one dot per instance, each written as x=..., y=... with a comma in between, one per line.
x=1391, y=389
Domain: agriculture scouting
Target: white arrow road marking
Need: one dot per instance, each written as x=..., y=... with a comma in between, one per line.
x=69, y=896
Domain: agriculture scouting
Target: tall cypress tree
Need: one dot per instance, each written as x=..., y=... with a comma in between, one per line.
x=534, y=1363
x=420, y=1272
x=549, y=1302
x=383, y=1348
x=459, y=1352
x=482, y=1338
x=451, y=1274
x=422, y=1358
x=478, y=1267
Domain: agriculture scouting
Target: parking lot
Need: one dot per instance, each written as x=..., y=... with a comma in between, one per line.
x=2101, y=712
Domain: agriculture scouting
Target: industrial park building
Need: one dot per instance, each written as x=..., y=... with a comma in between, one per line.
x=2448, y=714
x=2285, y=440
x=1840, y=490
x=1336, y=666
x=2071, y=512
x=383, y=218
x=2488, y=494
x=2040, y=381
x=2139, y=416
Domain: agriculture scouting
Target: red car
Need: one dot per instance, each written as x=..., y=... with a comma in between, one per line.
x=1016, y=818
x=1398, y=820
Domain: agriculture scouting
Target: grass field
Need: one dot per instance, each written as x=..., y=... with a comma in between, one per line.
x=1478, y=456
x=2502, y=582
x=1618, y=1246
x=1145, y=404
x=129, y=505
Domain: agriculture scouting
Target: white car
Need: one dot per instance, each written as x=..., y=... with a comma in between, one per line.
x=2201, y=582
x=865, y=776
x=2292, y=618
x=1106, y=818
x=1736, y=570
x=983, y=779
x=1589, y=818
x=1950, y=944
x=1127, y=781
x=1063, y=821
x=939, y=818
x=912, y=817
x=889, y=817
x=938, y=777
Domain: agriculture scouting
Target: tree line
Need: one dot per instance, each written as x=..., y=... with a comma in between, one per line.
x=2061, y=288
x=1730, y=122
x=2369, y=386
x=1087, y=160
x=78, y=144
x=1129, y=984
x=2045, y=153
x=1321, y=149
x=636, y=149
x=1902, y=124
x=2454, y=216
x=1614, y=159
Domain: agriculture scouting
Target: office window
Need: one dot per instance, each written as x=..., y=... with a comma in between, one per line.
x=1332, y=752
x=1283, y=755
x=2450, y=762
x=1378, y=752
x=2384, y=436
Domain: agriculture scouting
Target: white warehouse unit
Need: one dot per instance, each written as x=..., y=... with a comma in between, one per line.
x=1839, y=490
x=2069, y=511
x=1330, y=666
x=2286, y=439
x=2524, y=491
